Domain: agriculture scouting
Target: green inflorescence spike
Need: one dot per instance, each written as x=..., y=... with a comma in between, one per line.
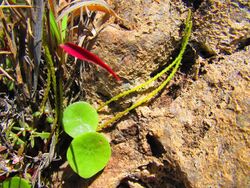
x=174, y=66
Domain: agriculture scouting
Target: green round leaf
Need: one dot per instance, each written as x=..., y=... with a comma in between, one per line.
x=16, y=182
x=88, y=154
x=78, y=118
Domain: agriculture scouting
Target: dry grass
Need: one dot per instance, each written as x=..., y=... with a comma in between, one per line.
x=36, y=78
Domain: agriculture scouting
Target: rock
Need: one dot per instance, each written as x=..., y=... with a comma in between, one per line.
x=196, y=132
x=202, y=137
x=135, y=52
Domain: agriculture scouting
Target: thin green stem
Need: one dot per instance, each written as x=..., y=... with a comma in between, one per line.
x=140, y=102
x=60, y=87
x=54, y=83
x=46, y=92
x=137, y=88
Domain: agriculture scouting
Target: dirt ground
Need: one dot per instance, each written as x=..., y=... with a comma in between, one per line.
x=196, y=132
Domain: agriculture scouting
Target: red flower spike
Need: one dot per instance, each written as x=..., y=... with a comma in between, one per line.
x=85, y=55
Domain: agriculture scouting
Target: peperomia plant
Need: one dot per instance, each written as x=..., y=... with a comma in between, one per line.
x=78, y=118
x=172, y=69
x=38, y=74
x=89, y=152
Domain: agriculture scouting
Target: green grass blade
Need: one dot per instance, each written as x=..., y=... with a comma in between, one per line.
x=64, y=27
x=54, y=27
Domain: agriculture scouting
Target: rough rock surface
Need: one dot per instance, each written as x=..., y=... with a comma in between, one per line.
x=196, y=133
x=201, y=139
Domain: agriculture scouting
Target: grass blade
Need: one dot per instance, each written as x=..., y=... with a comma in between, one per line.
x=92, y=5
x=15, y=6
x=54, y=27
x=38, y=28
x=64, y=27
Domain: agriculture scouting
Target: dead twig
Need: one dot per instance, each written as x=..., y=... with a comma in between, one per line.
x=6, y=74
